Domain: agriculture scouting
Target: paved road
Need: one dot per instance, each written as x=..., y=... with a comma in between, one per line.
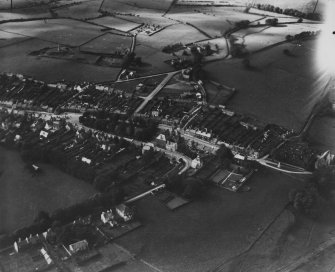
x=156, y=90
x=133, y=199
x=283, y=167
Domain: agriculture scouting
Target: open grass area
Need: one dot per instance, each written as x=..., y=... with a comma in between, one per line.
x=108, y=43
x=126, y=5
x=321, y=133
x=15, y=59
x=278, y=89
x=115, y=22
x=302, y=5
x=23, y=196
x=213, y=21
x=81, y=10
x=257, y=38
x=62, y=31
x=203, y=234
x=22, y=3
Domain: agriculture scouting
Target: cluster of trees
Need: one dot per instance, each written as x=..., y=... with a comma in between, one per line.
x=187, y=187
x=302, y=35
x=271, y=21
x=137, y=128
x=44, y=221
x=305, y=200
x=173, y=48
x=291, y=12
x=242, y=24
x=316, y=191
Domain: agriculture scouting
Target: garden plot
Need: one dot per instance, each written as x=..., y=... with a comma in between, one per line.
x=214, y=21
x=175, y=87
x=83, y=10
x=108, y=43
x=116, y=23
x=61, y=31
x=149, y=84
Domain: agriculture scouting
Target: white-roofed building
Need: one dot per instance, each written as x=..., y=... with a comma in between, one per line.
x=78, y=246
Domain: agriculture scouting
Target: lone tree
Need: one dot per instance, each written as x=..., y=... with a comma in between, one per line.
x=306, y=200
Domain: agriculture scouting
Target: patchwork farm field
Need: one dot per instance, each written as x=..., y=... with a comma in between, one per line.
x=170, y=35
x=122, y=5
x=26, y=13
x=107, y=44
x=116, y=23
x=22, y=3
x=81, y=10
x=212, y=21
x=62, y=31
x=303, y=5
x=257, y=38
x=16, y=59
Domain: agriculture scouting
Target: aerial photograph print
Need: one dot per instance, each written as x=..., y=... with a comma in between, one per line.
x=167, y=135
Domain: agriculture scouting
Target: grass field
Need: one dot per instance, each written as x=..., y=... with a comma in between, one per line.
x=150, y=47
x=85, y=10
x=259, y=37
x=107, y=44
x=170, y=35
x=213, y=21
x=133, y=5
x=23, y=196
x=278, y=89
x=321, y=133
x=62, y=31
x=303, y=5
x=115, y=22
x=15, y=59
x=26, y=13
x=201, y=235
x=5, y=4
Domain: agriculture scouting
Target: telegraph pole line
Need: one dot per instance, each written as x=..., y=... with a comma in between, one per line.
x=11, y=5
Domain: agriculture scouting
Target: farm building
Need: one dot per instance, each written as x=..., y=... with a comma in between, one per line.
x=196, y=163
x=125, y=212
x=78, y=246
x=107, y=216
x=46, y=256
x=27, y=243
